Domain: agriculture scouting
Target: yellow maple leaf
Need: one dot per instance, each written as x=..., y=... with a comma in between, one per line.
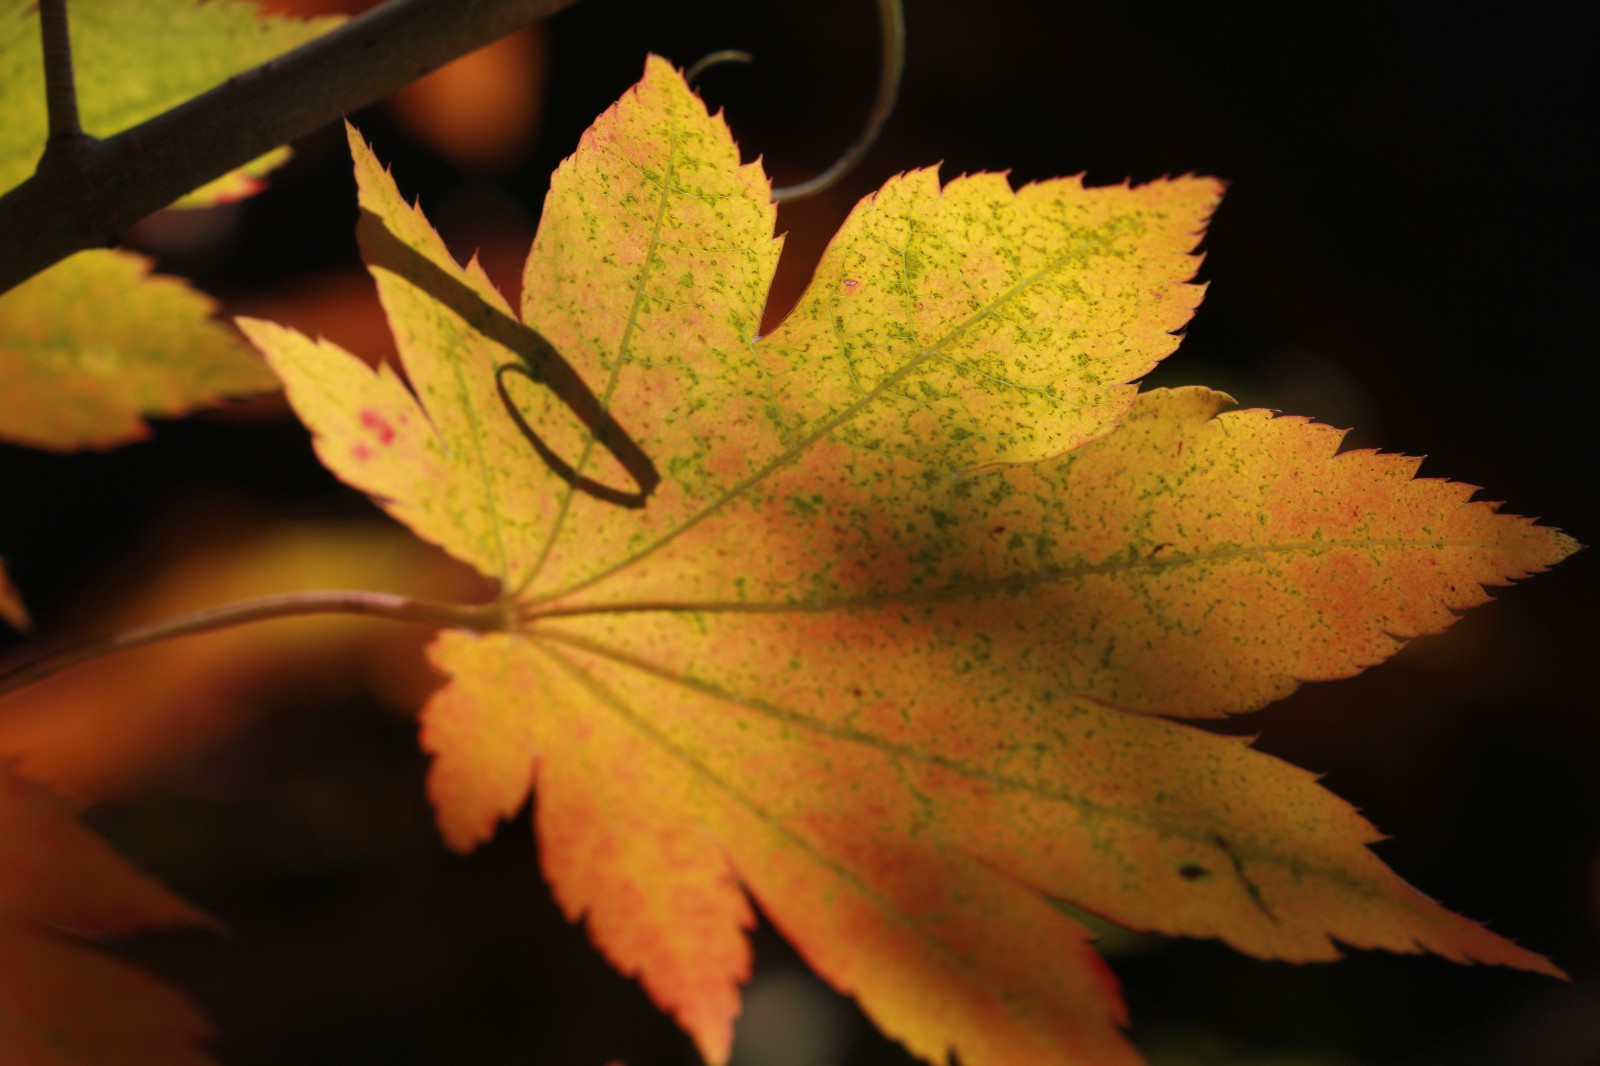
x=874, y=619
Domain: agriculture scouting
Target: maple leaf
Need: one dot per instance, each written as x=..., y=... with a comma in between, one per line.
x=874, y=619
x=61, y=1002
x=70, y=379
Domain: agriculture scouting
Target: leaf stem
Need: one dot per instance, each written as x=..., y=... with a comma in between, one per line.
x=130, y=175
x=483, y=617
x=60, y=91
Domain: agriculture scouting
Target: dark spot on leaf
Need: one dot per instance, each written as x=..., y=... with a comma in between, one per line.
x=1191, y=871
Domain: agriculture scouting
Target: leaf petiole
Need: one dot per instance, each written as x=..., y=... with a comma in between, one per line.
x=483, y=617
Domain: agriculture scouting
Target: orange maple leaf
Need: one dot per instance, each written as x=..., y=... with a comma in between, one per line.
x=873, y=619
x=62, y=1002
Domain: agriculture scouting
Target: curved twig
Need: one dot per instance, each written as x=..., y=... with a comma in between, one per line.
x=716, y=59
x=478, y=616
x=892, y=19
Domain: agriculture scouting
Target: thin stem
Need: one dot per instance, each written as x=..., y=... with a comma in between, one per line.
x=60, y=91
x=891, y=18
x=716, y=59
x=484, y=617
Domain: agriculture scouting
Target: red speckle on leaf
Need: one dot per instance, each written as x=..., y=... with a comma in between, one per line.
x=379, y=427
x=850, y=285
x=361, y=452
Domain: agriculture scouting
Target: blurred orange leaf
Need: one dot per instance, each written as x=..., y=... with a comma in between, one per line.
x=481, y=111
x=874, y=618
x=62, y=1003
x=11, y=606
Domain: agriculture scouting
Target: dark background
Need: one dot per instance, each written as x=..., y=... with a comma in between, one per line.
x=1406, y=248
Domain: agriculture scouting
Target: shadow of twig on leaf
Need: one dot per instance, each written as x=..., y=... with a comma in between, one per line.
x=539, y=363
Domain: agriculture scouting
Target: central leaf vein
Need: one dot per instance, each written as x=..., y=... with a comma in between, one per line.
x=664, y=189
x=992, y=586
x=1090, y=809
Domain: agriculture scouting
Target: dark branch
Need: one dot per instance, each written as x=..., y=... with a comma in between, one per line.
x=117, y=181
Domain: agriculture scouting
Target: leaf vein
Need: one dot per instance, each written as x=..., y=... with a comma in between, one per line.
x=823, y=428
x=1091, y=808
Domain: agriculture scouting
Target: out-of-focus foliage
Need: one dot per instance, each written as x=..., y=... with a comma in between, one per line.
x=94, y=345
x=12, y=609
x=63, y=1003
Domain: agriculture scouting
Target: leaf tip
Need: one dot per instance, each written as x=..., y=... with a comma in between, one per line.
x=360, y=151
x=1565, y=546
